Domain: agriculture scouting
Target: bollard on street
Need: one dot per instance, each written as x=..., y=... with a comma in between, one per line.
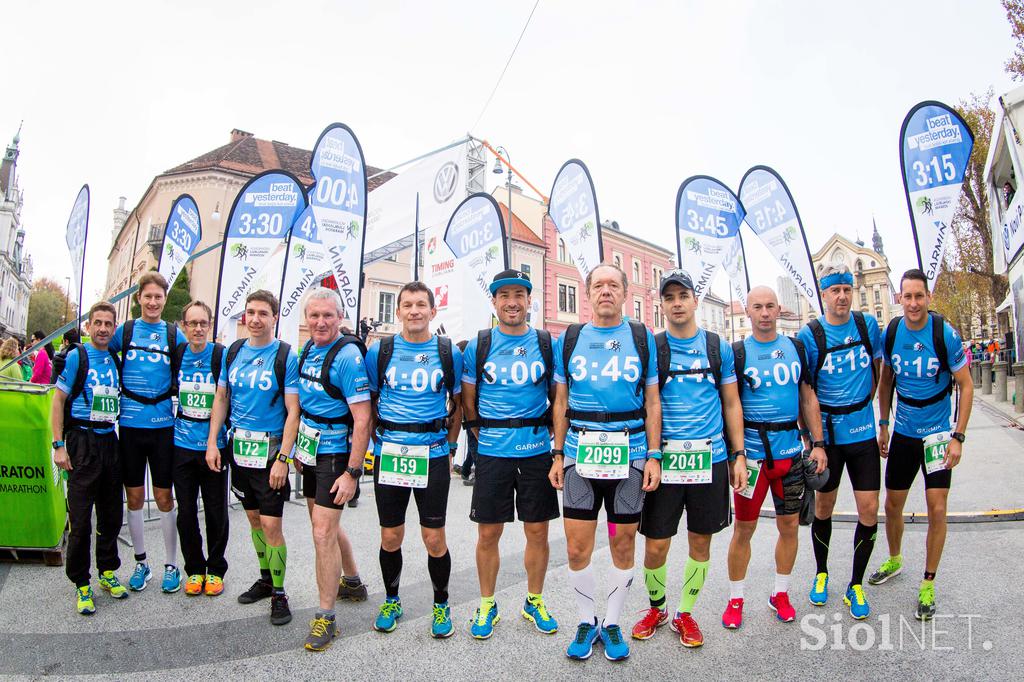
x=1000, y=381
x=986, y=377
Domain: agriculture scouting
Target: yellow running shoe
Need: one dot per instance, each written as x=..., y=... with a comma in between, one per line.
x=110, y=583
x=214, y=585
x=194, y=585
x=85, y=605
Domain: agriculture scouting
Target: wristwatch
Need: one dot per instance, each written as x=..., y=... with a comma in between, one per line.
x=818, y=444
x=452, y=447
x=883, y=422
x=354, y=472
x=281, y=457
x=958, y=436
x=738, y=453
x=57, y=444
x=557, y=452
x=654, y=454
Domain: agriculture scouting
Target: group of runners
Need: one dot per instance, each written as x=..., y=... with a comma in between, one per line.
x=645, y=426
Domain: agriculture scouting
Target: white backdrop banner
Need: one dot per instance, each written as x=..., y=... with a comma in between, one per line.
x=573, y=209
x=76, y=236
x=182, y=233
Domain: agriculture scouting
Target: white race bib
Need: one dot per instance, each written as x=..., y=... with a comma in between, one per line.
x=405, y=466
x=753, y=473
x=935, y=451
x=195, y=398
x=307, y=442
x=251, y=448
x=603, y=455
x=106, y=404
x=687, y=462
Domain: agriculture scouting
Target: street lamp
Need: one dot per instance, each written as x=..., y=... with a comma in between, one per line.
x=498, y=170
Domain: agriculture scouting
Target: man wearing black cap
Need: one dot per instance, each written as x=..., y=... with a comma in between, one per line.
x=698, y=387
x=506, y=385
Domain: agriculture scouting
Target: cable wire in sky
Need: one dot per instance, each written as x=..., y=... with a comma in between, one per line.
x=519, y=40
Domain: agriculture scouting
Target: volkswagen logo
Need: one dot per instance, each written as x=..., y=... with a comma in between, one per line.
x=603, y=438
x=195, y=387
x=445, y=181
x=687, y=445
x=405, y=450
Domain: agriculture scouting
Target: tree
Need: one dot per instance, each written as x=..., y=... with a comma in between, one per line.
x=48, y=307
x=177, y=298
x=1015, y=15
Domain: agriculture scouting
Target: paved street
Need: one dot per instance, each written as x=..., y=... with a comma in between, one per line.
x=157, y=636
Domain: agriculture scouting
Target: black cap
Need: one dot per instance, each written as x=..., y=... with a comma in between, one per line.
x=812, y=479
x=680, y=277
x=511, y=278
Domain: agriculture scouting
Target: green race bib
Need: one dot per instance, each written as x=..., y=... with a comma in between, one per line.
x=251, y=448
x=195, y=399
x=935, y=451
x=687, y=462
x=405, y=466
x=106, y=404
x=753, y=473
x=603, y=455
x=307, y=442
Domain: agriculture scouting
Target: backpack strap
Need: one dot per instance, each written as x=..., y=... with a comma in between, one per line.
x=890, y=336
x=280, y=369
x=939, y=342
x=385, y=349
x=663, y=354
x=569, y=340
x=639, y=332
x=177, y=357
x=739, y=351
x=78, y=389
x=801, y=353
x=444, y=351
x=714, y=350
x=546, y=354
x=127, y=337
x=233, y=353
x=821, y=346
x=483, y=350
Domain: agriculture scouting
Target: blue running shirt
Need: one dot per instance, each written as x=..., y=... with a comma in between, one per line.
x=148, y=374
x=772, y=394
x=605, y=369
x=252, y=386
x=190, y=434
x=513, y=386
x=348, y=372
x=915, y=364
x=414, y=391
x=102, y=372
x=691, y=406
x=846, y=376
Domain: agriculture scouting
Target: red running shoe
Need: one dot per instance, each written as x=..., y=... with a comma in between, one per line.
x=784, y=611
x=689, y=634
x=649, y=624
x=733, y=616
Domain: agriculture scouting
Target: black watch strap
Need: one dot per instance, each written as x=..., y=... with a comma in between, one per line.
x=354, y=472
x=818, y=444
x=958, y=436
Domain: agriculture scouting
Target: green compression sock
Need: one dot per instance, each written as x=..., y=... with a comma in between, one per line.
x=655, y=581
x=260, y=543
x=695, y=573
x=277, y=559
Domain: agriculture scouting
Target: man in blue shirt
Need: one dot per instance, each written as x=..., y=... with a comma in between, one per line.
x=844, y=355
x=196, y=364
x=413, y=376
x=146, y=424
x=924, y=358
x=334, y=429
x=507, y=406
x=699, y=389
x=607, y=424
x=259, y=387
x=776, y=395
x=85, y=446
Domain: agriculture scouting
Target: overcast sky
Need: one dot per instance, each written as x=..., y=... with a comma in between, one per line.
x=645, y=93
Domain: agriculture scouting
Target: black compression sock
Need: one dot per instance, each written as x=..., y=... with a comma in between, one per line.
x=821, y=536
x=391, y=570
x=863, y=544
x=440, y=569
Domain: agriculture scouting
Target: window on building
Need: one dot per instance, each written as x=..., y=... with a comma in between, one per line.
x=863, y=299
x=878, y=313
x=860, y=265
x=638, y=311
x=526, y=269
x=657, y=315
x=386, y=307
x=636, y=272
x=656, y=275
x=561, y=250
x=617, y=260
x=872, y=263
x=878, y=296
x=566, y=298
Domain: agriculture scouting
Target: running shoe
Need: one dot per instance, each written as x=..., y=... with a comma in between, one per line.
x=355, y=592
x=442, y=627
x=86, y=606
x=733, y=616
x=387, y=618
x=214, y=585
x=653, y=619
x=926, y=601
x=322, y=632
x=536, y=611
x=819, y=590
x=280, y=614
x=857, y=602
x=890, y=568
x=140, y=576
x=784, y=611
x=616, y=648
x=482, y=625
x=110, y=583
x=689, y=633
x=194, y=585
x=261, y=589
x=172, y=579
x=583, y=645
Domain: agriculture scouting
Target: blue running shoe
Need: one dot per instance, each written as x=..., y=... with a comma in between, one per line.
x=442, y=627
x=615, y=647
x=819, y=590
x=482, y=625
x=172, y=579
x=535, y=611
x=858, y=604
x=140, y=576
x=387, y=617
x=583, y=645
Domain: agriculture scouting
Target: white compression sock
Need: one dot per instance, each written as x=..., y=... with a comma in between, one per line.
x=135, y=521
x=168, y=524
x=584, y=585
x=735, y=589
x=781, y=583
x=619, y=580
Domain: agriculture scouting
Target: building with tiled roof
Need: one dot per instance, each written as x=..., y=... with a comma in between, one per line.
x=15, y=264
